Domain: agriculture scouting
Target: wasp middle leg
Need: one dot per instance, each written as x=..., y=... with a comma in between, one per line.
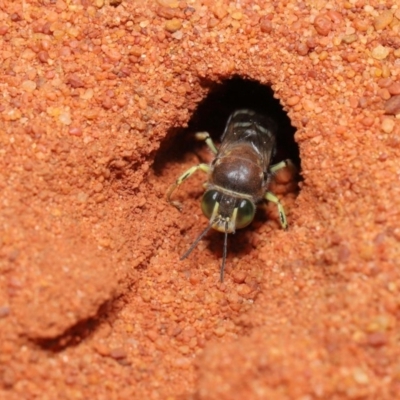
x=182, y=178
x=280, y=165
x=282, y=216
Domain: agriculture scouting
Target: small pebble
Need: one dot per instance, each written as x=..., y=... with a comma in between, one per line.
x=308, y=105
x=112, y=53
x=168, y=3
x=75, y=131
x=118, y=353
x=28, y=86
x=101, y=349
x=238, y=276
x=361, y=25
x=384, y=94
x=350, y=38
x=13, y=114
x=178, y=35
x=82, y=197
x=220, y=12
x=244, y=290
x=388, y=125
x=28, y=54
x=302, y=49
x=98, y=187
x=383, y=20
x=165, y=12
x=173, y=25
x=394, y=88
x=392, y=106
x=3, y=29
x=360, y=376
x=184, y=349
x=367, y=121
x=8, y=377
x=323, y=25
x=65, y=117
x=75, y=81
x=265, y=25
x=292, y=101
x=107, y=103
x=237, y=15
x=380, y=52
x=4, y=311
x=385, y=82
x=212, y=22
x=377, y=339
x=43, y=56
x=220, y=331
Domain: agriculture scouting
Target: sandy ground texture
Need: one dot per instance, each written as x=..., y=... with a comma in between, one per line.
x=94, y=301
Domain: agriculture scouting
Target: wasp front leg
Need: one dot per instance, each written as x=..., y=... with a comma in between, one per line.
x=207, y=138
x=282, y=216
x=182, y=178
x=280, y=165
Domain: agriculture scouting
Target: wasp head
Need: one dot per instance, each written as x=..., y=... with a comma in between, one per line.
x=227, y=211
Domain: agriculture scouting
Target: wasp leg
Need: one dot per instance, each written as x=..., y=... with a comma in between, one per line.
x=183, y=177
x=282, y=216
x=283, y=164
x=207, y=138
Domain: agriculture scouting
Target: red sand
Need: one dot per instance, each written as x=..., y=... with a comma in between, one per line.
x=94, y=302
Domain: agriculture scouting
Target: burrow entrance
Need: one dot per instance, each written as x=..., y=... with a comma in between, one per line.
x=212, y=114
x=180, y=150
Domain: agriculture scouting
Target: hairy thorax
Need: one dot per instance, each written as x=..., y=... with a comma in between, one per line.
x=239, y=170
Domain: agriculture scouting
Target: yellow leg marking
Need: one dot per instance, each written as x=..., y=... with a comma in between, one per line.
x=282, y=216
x=283, y=164
x=209, y=142
x=182, y=178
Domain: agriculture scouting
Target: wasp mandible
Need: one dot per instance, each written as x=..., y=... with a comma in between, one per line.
x=238, y=177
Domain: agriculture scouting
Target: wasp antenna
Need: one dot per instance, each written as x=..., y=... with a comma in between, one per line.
x=224, y=252
x=202, y=234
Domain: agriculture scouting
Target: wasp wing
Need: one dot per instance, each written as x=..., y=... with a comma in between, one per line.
x=248, y=127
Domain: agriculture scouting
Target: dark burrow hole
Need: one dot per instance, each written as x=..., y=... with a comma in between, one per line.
x=213, y=112
x=211, y=115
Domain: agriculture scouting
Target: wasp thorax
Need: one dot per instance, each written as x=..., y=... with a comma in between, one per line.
x=239, y=172
x=227, y=212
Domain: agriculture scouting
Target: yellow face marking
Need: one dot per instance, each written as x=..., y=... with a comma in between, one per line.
x=224, y=225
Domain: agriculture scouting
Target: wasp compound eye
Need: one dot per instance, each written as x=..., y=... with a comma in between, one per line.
x=210, y=198
x=245, y=213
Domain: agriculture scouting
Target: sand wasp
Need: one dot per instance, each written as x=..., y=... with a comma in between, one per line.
x=238, y=177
